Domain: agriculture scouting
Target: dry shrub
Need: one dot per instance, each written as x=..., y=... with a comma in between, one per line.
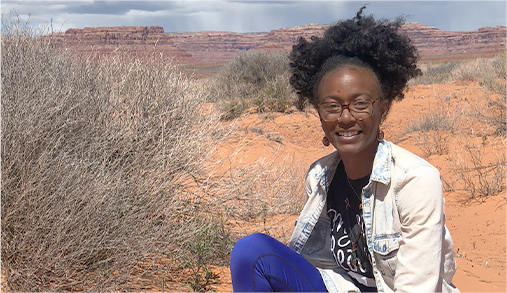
x=276, y=96
x=433, y=142
x=493, y=112
x=92, y=160
x=249, y=73
x=232, y=108
x=435, y=121
x=478, y=174
x=479, y=69
x=437, y=74
x=496, y=82
x=433, y=131
x=254, y=68
x=262, y=190
x=249, y=194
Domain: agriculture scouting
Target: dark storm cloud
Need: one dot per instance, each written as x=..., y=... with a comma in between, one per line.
x=253, y=16
x=264, y=2
x=118, y=8
x=90, y=7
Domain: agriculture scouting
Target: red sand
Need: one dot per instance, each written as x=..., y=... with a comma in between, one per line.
x=477, y=226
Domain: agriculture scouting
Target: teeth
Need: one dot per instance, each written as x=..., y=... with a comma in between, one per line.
x=348, y=133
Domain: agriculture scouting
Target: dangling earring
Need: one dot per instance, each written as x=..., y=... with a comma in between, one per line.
x=325, y=141
x=380, y=135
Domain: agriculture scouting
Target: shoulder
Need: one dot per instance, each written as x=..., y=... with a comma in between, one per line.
x=324, y=162
x=417, y=185
x=322, y=170
x=394, y=163
x=408, y=161
x=414, y=176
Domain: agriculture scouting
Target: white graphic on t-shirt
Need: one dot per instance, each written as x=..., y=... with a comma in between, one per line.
x=344, y=248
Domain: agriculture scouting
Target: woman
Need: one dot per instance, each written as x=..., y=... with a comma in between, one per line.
x=374, y=219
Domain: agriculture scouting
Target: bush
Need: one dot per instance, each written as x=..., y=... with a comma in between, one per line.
x=93, y=160
x=434, y=121
x=254, y=68
x=433, y=132
x=210, y=243
x=438, y=74
x=276, y=96
x=244, y=198
x=232, y=108
x=495, y=113
x=245, y=76
x=484, y=69
x=479, y=175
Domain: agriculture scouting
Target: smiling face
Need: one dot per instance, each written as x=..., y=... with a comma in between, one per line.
x=350, y=136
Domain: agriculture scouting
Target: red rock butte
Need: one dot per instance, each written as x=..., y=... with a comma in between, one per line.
x=432, y=43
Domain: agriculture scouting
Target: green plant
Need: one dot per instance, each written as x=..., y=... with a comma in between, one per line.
x=233, y=108
x=207, y=244
x=242, y=78
x=275, y=96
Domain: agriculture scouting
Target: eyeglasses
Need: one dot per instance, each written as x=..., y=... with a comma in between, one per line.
x=360, y=109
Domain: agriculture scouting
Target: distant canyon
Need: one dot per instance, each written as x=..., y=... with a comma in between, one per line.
x=432, y=43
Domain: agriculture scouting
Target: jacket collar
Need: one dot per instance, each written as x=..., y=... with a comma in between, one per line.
x=381, y=171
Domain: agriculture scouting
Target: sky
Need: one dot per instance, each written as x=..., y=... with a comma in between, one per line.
x=248, y=16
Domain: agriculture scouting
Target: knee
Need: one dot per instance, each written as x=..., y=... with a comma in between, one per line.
x=250, y=242
x=249, y=247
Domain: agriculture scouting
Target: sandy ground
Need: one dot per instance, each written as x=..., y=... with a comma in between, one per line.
x=477, y=224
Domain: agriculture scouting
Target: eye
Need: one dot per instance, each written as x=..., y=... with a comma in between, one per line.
x=331, y=107
x=361, y=104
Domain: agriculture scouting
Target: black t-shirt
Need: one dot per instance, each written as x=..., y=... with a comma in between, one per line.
x=348, y=242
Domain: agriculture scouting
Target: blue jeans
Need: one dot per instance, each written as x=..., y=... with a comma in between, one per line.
x=259, y=263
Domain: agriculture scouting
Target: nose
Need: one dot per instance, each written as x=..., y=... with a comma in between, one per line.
x=346, y=116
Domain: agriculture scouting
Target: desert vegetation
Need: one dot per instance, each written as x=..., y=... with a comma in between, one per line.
x=475, y=129
x=124, y=174
x=253, y=78
x=104, y=180
x=93, y=156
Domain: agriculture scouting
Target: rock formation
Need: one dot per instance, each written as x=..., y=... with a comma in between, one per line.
x=219, y=47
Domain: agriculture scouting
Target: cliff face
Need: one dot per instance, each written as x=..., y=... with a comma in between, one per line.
x=218, y=47
x=138, y=41
x=433, y=43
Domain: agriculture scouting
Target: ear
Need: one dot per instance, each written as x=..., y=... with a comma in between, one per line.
x=384, y=107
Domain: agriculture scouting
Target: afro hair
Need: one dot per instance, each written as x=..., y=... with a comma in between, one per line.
x=360, y=41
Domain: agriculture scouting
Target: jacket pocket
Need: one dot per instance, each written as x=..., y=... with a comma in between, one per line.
x=386, y=254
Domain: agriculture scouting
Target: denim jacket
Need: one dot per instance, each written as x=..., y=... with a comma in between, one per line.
x=403, y=210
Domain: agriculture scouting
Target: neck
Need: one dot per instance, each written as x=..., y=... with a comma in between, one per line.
x=359, y=165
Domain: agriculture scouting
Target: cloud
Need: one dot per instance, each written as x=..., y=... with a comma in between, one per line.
x=251, y=16
x=118, y=8
x=446, y=15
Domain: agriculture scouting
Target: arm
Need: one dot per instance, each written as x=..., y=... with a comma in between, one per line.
x=421, y=211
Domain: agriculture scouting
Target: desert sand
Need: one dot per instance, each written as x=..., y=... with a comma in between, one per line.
x=477, y=225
